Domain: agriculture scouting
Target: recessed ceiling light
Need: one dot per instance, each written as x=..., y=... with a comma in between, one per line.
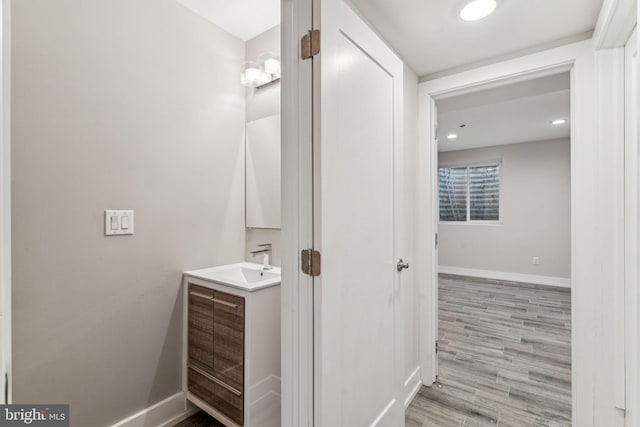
x=559, y=122
x=477, y=9
x=452, y=136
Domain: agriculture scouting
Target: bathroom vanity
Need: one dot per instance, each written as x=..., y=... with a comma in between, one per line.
x=231, y=344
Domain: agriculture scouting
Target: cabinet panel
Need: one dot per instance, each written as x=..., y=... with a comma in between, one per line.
x=228, y=337
x=221, y=398
x=200, y=332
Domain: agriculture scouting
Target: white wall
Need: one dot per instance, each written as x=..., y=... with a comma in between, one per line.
x=117, y=105
x=263, y=102
x=536, y=213
x=409, y=285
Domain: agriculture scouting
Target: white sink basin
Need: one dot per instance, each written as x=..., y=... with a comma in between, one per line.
x=244, y=275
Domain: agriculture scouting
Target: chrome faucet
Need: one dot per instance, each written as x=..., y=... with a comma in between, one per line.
x=266, y=250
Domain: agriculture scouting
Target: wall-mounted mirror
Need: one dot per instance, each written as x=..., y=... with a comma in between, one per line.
x=263, y=173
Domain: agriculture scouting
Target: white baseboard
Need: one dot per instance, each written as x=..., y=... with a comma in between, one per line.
x=559, y=282
x=166, y=413
x=411, y=387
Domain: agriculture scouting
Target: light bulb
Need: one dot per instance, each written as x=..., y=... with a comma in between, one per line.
x=477, y=9
x=272, y=66
x=253, y=75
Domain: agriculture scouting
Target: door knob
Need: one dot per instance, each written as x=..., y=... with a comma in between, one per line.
x=402, y=265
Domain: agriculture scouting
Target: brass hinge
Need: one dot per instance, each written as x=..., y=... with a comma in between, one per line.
x=310, y=44
x=310, y=262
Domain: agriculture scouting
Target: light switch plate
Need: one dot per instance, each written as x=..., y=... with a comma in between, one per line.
x=118, y=222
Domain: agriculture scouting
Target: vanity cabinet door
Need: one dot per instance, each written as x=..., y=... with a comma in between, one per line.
x=216, y=350
x=228, y=339
x=200, y=331
x=217, y=394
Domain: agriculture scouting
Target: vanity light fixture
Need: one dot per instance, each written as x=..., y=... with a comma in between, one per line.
x=271, y=64
x=253, y=75
x=477, y=9
x=261, y=72
x=452, y=136
x=558, y=122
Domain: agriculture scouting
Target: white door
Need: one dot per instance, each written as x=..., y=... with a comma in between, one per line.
x=632, y=236
x=358, y=360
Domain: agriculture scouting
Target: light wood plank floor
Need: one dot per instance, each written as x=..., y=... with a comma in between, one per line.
x=504, y=356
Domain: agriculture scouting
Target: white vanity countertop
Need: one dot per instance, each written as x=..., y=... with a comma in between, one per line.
x=244, y=275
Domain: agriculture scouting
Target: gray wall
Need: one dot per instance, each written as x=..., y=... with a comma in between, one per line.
x=536, y=213
x=117, y=105
x=263, y=102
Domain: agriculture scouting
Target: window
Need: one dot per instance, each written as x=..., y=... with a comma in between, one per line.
x=470, y=193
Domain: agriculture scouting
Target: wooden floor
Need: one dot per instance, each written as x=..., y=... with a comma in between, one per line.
x=504, y=356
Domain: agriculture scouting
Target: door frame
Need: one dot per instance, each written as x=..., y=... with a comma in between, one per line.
x=430, y=92
x=297, y=114
x=5, y=202
x=593, y=251
x=632, y=244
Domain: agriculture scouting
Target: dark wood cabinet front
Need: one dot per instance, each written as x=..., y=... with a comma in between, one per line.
x=228, y=335
x=200, y=346
x=227, y=401
x=216, y=350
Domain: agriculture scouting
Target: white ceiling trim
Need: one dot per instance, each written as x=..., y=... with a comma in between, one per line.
x=497, y=59
x=615, y=24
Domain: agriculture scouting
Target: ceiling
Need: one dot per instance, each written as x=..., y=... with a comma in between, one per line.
x=432, y=39
x=429, y=34
x=520, y=112
x=245, y=19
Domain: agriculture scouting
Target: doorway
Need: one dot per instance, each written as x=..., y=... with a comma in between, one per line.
x=504, y=252
x=589, y=187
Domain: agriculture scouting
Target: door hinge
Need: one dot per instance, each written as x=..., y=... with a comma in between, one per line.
x=310, y=44
x=436, y=347
x=436, y=240
x=310, y=262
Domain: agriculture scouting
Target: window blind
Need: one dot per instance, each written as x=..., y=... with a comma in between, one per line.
x=453, y=194
x=484, y=193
